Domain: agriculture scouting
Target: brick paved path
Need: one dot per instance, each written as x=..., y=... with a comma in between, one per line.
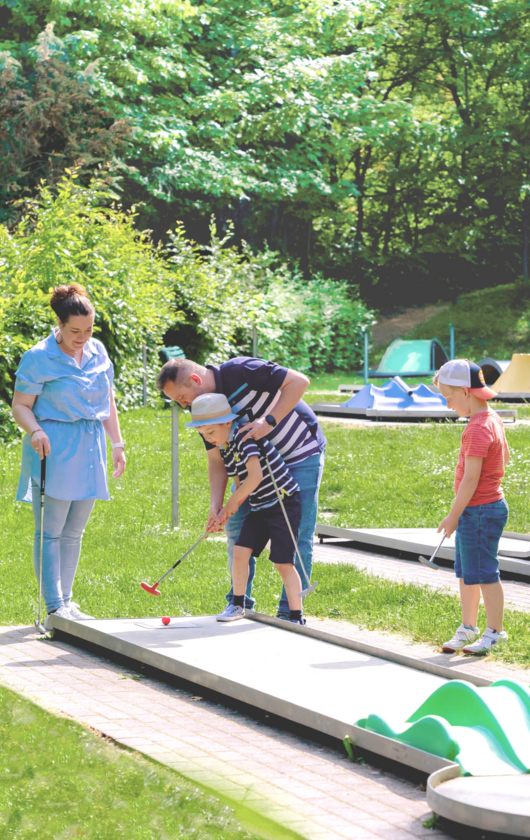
x=305, y=787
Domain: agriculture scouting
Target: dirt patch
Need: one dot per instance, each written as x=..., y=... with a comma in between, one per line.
x=397, y=326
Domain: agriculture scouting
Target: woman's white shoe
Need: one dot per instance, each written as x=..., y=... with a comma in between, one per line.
x=62, y=612
x=77, y=615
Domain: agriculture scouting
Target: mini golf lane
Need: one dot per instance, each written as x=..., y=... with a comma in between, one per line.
x=514, y=549
x=469, y=734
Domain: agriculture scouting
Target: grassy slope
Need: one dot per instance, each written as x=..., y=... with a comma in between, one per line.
x=373, y=477
x=490, y=322
x=58, y=780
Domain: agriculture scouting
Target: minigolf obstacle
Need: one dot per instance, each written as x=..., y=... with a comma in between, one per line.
x=514, y=379
x=412, y=711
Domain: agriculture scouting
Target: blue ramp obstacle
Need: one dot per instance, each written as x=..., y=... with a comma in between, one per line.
x=396, y=395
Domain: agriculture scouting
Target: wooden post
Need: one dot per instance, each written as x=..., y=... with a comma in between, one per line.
x=254, y=342
x=144, y=355
x=174, y=465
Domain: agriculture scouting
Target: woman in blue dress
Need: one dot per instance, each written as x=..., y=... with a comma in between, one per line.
x=64, y=401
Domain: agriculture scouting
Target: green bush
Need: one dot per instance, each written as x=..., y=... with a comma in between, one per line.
x=223, y=293
x=68, y=235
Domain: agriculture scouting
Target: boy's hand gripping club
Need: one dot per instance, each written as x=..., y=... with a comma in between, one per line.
x=310, y=588
x=153, y=589
x=430, y=562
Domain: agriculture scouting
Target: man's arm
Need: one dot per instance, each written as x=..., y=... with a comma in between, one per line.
x=292, y=390
x=218, y=478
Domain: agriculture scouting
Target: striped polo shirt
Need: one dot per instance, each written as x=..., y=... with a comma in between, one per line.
x=235, y=456
x=252, y=387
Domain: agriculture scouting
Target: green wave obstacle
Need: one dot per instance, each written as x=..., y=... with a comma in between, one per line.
x=485, y=730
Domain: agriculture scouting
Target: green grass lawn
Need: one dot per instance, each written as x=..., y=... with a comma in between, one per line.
x=374, y=477
x=59, y=780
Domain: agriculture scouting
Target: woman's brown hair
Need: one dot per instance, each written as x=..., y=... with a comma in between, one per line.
x=70, y=300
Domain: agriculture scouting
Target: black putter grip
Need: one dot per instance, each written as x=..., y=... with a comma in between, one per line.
x=43, y=475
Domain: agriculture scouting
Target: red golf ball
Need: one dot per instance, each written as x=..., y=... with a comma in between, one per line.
x=165, y=619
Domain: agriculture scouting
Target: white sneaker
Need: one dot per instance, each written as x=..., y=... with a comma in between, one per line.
x=488, y=640
x=462, y=637
x=76, y=613
x=231, y=613
x=62, y=612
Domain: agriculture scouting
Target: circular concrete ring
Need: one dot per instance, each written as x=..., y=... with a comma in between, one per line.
x=492, y=803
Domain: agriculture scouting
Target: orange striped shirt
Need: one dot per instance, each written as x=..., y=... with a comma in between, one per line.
x=483, y=438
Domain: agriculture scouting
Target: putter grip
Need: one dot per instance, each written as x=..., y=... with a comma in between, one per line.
x=43, y=475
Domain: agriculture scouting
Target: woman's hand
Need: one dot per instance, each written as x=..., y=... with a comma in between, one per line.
x=119, y=460
x=41, y=443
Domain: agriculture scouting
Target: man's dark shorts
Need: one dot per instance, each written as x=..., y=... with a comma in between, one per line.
x=269, y=523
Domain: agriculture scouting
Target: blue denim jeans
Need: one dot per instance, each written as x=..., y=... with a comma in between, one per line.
x=308, y=475
x=64, y=523
x=477, y=538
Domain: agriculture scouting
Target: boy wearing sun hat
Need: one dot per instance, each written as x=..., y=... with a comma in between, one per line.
x=479, y=512
x=246, y=463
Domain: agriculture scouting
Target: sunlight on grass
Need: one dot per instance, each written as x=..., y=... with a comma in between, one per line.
x=374, y=477
x=59, y=780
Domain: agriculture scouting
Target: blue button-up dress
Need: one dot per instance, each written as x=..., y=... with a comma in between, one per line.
x=72, y=401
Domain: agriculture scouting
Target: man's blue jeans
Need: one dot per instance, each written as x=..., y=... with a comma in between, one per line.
x=308, y=475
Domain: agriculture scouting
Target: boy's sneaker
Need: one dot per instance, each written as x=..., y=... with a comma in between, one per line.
x=62, y=612
x=487, y=641
x=462, y=637
x=298, y=621
x=77, y=615
x=231, y=613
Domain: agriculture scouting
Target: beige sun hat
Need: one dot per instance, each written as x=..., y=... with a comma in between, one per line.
x=209, y=409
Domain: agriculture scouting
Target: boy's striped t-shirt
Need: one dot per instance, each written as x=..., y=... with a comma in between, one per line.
x=252, y=387
x=235, y=456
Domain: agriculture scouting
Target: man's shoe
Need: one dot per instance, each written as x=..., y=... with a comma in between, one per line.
x=231, y=613
x=462, y=637
x=487, y=641
x=77, y=615
x=62, y=612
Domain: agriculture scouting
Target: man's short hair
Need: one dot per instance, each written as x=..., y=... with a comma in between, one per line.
x=176, y=370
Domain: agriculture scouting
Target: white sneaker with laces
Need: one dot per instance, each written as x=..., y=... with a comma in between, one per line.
x=488, y=640
x=62, y=612
x=231, y=613
x=462, y=637
x=77, y=615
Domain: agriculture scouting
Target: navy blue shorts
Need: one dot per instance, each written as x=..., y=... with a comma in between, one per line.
x=269, y=523
x=477, y=542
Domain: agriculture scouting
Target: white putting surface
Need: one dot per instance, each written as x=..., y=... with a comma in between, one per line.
x=256, y=662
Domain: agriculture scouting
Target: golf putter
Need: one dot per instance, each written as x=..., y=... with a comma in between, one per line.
x=38, y=622
x=430, y=563
x=153, y=590
x=310, y=587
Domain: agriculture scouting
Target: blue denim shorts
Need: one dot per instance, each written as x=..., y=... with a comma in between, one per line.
x=477, y=541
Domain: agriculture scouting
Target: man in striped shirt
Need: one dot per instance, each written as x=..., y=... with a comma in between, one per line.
x=267, y=399
x=248, y=463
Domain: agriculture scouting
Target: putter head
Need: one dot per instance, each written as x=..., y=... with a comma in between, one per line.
x=40, y=627
x=151, y=589
x=309, y=589
x=428, y=563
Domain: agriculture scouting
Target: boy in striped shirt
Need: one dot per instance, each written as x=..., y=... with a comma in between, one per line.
x=479, y=512
x=246, y=463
